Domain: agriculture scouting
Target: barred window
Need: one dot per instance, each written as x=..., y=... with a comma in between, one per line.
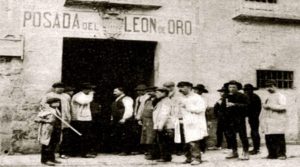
x=264, y=1
x=284, y=79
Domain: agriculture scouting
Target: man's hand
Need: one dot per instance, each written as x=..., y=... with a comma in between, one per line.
x=230, y=104
x=140, y=122
x=266, y=107
x=182, y=105
x=122, y=121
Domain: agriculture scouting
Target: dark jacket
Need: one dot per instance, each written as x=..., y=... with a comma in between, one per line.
x=254, y=107
x=238, y=112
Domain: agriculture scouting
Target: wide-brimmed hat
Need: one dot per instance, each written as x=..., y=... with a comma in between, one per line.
x=201, y=87
x=162, y=89
x=58, y=85
x=87, y=86
x=184, y=83
x=151, y=88
x=53, y=100
x=169, y=84
x=233, y=82
x=141, y=87
x=223, y=89
x=249, y=87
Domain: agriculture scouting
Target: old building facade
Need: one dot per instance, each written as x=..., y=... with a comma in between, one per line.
x=149, y=41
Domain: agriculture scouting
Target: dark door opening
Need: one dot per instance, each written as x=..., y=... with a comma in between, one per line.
x=107, y=64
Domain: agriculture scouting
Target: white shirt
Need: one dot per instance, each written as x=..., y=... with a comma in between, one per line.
x=128, y=105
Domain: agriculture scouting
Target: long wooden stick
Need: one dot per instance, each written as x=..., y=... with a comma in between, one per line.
x=68, y=125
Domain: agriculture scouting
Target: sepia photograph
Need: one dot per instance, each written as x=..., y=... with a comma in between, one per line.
x=142, y=83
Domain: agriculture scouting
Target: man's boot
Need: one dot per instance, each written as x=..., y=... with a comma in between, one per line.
x=245, y=156
x=232, y=155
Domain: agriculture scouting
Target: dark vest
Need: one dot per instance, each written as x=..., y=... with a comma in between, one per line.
x=118, y=110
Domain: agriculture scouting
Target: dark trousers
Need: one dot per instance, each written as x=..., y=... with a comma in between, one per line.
x=202, y=144
x=179, y=147
x=221, y=130
x=193, y=151
x=121, y=137
x=48, y=151
x=276, y=145
x=65, y=146
x=81, y=144
x=254, y=125
x=240, y=128
x=165, y=142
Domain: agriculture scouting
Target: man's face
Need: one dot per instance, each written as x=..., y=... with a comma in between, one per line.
x=232, y=88
x=151, y=93
x=248, y=92
x=184, y=90
x=271, y=88
x=140, y=92
x=159, y=94
x=222, y=94
x=55, y=105
x=170, y=88
x=117, y=92
x=59, y=90
x=70, y=92
x=86, y=91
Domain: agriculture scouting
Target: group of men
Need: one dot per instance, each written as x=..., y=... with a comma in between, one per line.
x=160, y=121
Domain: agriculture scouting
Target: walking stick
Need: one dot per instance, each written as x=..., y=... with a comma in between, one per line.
x=68, y=125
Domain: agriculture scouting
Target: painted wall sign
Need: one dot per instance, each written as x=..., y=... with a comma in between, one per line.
x=91, y=22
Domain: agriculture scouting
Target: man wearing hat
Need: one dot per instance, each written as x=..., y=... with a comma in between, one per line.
x=122, y=113
x=254, y=109
x=65, y=147
x=148, y=133
x=195, y=128
x=138, y=109
x=175, y=109
x=82, y=119
x=274, y=122
x=49, y=130
x=163, y=124
x=236, y=110
x=200, y=89
x=219, y=111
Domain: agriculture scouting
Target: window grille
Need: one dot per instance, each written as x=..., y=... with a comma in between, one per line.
x=284, y=79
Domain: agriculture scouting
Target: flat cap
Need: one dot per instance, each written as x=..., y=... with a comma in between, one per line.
x=184, y=83
x=58, y=85
x=169, y=84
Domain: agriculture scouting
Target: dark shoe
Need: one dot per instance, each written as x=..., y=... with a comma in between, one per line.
x=124, y=154
x=49, y=163
x=57, y=162
x=194, y=162
x=88, y=156
x=232, y=155
x=150, y=157
x=282, y=157
x=245, y=156
x=63, y=156
x=269, y=157
x=254, y=152
x=187, y=161
x=164, y=160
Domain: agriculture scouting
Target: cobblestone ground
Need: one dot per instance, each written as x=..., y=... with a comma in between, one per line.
x=211, y=158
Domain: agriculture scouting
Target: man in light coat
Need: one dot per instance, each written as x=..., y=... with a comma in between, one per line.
x=82, y=119
x=274, y=121
x=195, y=128
x=163, y=124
